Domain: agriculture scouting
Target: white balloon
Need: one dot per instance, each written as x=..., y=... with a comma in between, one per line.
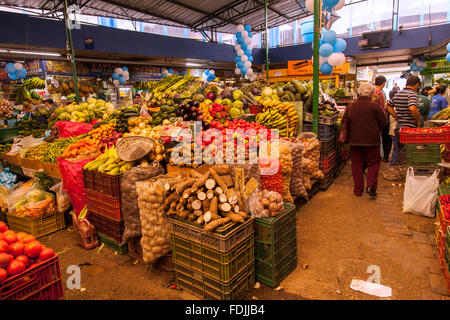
x=237, y=46
x=340, y=5
x=119, y=71
x=240, y=28
x=248, y=40
x=244, y=34
x=18, y=66
x=211, y=71
x=250, y=47
x=322, y=60
x=244, y=58
x=240, y=53
x=336, y=59
x=250, y=71
x=116, y=82
x=247, y=64
x=125, y=74
x=237, y=71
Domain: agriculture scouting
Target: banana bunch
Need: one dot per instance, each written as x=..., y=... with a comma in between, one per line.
x=34, y=83
x=287, y=110
x=273, y=119
x=109, y=163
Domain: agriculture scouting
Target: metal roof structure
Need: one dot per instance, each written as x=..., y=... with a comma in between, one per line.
x=205, y=16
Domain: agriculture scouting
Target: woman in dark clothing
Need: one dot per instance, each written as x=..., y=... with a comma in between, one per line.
x=366, y=120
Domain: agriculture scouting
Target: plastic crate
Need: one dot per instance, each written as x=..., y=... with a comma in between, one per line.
x=425, y=135
x=276, y=246
x=422, y=155
x=120, y=248
x=443, y=189
x=110, y=228
x=328, y=180
x=326, y=132
x=222, y=239
x=325, y=120
x=327, y=164
x=7, y=133
x=327, y=148
x=3, y=217
x=166, y=267
x=103, y=183
x=41, y=282
x=218, y=265
x=31, y=164
x=205, y=287
x=12, y=159
x=104, y=205
x=428, y=171
x=52, y=169
x=39, y=226
x=255, y=109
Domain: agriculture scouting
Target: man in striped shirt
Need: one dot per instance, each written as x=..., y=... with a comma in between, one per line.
x=406, y=112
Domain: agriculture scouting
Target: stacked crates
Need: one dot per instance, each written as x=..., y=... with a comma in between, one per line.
x=276, y=246
x=442, y=235
x=217, y=265
x=104, y=202
x=328, y=152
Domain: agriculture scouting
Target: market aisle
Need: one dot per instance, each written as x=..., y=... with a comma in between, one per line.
x=340, y=235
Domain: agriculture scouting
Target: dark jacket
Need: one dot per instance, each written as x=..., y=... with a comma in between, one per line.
x=365, y=123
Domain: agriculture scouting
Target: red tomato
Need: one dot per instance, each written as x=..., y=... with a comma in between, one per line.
x=33, y=249
x=16, y=248
x=2, y=237
x=3, y=275
x=28, y=238
x=4, y=247
x=3, y=227
x=16, y=267
x=10, y=238
x=5, y=259
x=21, y=235
x=26, y=261
x=46, y=254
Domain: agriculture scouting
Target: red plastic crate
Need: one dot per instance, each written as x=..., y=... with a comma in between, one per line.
x=110, y=228
x=42, y=282
x=255, y=109
x=104, y=183
x=104, y=205
x=327, y=164
x=425, y=135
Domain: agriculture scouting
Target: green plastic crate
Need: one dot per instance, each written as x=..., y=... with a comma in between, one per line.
x=207, y=288
x=443, y=189
x=216, y=264
x=8, y=133
x=423, y=155
x=276, y=246
x=37, y=226
x=119, y=248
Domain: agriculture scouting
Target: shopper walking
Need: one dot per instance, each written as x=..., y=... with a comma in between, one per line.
x=365, y=120
x=438, y=102
x=380, y=83
x=406, y=112
x=424, y=105
x=394, y=91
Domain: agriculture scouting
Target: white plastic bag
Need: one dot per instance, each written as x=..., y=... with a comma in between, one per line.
x=62, y=198
x=420, y=194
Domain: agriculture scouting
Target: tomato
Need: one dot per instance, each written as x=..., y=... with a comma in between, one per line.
x=28, y=238
x=16, y=267
x=3, y=275
x=4, y=247
x=2, y=237
x=26, y=261
x=5, y=259
x=16, y=248
x=46, y=254
x=3, y=227
x=33, y=249
x=10, y=238
x=21, y=235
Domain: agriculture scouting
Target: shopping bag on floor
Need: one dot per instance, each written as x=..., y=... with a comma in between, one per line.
x=420, y=193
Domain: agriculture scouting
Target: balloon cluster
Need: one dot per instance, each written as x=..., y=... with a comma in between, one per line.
x=327, y=5
x=208, y=76
x=244, y=49
x=120, y=75
x=15, y=71
x=331, y=51
x=448, y=54
x=166, y=72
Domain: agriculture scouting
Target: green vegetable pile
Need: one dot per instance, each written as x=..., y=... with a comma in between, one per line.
x=31, y=127
x=44, y=180
x=37, y=152
x=5, y=147
x=56, y=148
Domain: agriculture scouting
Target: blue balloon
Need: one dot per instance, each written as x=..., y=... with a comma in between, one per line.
x=240, y=64
x=448, y=46
x=413, y=64
x=329, y=37
x=10, y=68
x=21, y=74
x=122, y=80
x=248, y=52
x=250, y=58
x=340, y=45
x=124, y=68
x=244, y=46
x=207, y=72
x=326, y=68
x=247, y=28
x=238, y=35
x=12, y=76
x=240, y=40
x=243, y=70
x=325, y=50
x=320, y=43
x=115, y=76
x=237, y=59
x=329, y=4
x=249, y=34
x=448, y=57
x=170, y=71
x=403, y=76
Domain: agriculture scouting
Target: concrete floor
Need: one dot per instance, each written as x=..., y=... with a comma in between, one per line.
x=339, y=236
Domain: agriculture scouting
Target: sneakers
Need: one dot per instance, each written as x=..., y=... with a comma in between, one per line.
x=372, y=193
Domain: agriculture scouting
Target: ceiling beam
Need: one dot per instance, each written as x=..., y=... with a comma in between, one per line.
x=218, y=12
x=146, y=12
x=189, y=7
x=271, y=8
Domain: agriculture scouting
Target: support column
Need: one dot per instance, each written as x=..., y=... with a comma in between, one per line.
x=267, y=39
x=317, y=29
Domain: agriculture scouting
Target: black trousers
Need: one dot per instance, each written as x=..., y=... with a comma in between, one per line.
x=387, y=143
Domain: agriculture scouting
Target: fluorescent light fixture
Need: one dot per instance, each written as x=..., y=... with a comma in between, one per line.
x=285, y=27
x=189, y=64
x=39, y=53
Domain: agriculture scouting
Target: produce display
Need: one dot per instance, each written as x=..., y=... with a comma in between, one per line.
x=279, y=115
x=66, y=87
x=6, y=110
x=54, y=133
x=80, y=150
x=56, y=148
x=173, y=87
x=30, y=200
x=109, y=162
x=19, y=252
x=164, y=112
x=141, y=126
x=28, y=127
x=5, y=147
x=86, y=111
x=445, y=205
x=37, y=152
x=44, y=180
x=104, y=136
x=28, y=97
x=296, y=187
x=328, y=109
x=311, y=156
x=266, y=204
x=190, y=111
x=122, y=117
x=286, y=171
x=444, y=114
